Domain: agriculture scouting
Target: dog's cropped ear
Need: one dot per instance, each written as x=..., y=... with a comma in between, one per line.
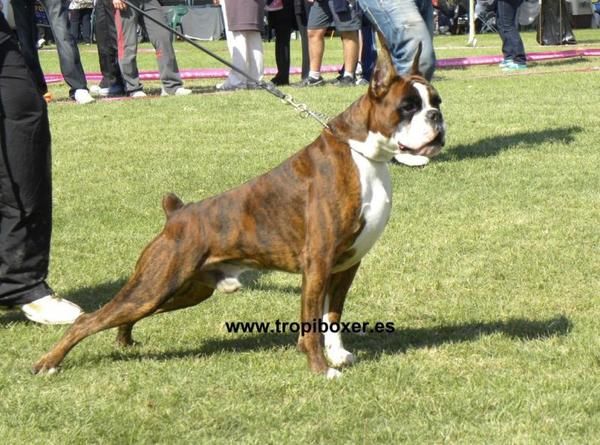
x=170, y=203
x=415, y=65
x=384, y=71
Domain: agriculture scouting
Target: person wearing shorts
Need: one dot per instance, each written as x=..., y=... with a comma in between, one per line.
x=344, y=16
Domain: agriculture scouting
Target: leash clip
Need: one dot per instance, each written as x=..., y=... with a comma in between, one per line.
x=304, y=111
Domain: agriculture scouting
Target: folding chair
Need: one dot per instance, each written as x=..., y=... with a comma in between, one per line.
x=485, y=16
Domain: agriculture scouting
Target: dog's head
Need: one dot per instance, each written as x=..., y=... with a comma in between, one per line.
x=406, y=116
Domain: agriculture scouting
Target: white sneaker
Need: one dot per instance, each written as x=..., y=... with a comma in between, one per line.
x=83, y=97
x=178, y=92
x=52, y=310
x=112, y=91
x=137, y=94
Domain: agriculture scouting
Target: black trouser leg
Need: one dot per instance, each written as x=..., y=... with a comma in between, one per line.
x=25, y=183
x=27, y=33
x=106, y=39
x=282, y=50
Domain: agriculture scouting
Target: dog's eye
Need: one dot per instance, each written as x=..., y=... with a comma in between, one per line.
x=436, y=101
x=409, y=107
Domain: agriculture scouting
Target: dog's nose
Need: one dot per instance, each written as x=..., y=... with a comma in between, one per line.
x=434, y=116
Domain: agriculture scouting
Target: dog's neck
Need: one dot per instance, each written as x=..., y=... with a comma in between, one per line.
x=352, y=127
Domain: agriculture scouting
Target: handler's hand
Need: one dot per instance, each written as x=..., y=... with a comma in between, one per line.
x=118, y=4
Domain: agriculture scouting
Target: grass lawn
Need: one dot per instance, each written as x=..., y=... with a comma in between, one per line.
x=489, y=270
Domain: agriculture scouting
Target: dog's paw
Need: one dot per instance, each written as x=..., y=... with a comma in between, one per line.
x=339, y=357
x=41, y=368
x=229, y=285
x=333, y=373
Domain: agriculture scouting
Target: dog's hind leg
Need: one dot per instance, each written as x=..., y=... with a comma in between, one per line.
x=160, y=273
x=332, y=313
x=194, y=294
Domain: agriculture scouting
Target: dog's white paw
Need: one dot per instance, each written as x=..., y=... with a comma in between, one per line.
x=333, y=373
x=339, y=357
x=229, y=285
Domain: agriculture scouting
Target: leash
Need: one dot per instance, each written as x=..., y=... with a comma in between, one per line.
x=300, y=107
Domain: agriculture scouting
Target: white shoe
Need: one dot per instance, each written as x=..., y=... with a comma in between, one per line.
x=411, y=160
x=51, y=310
x=83, y=97
x=137, y=94
x=178, y=92
x=112, y=91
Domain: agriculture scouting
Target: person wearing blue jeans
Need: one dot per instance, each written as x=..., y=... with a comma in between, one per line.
x=512, y=45
x=404, y=24
x=68, y=53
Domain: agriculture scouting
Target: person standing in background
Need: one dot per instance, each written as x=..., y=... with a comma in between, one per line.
x=108, y=54
x=80, y=18
x=404, y=24
x=244, y=23
x=512, y=45
x=289, y=15
x=126, y=21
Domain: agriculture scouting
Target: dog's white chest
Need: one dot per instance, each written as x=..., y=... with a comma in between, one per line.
x=376, y=197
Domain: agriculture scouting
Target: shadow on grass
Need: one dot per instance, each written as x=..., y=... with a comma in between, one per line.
x=492, y=146
x=371, y=346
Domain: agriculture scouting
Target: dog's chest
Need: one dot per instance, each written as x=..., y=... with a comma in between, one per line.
x=376, y=203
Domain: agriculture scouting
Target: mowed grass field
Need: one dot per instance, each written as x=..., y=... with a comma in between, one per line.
x=489, y=270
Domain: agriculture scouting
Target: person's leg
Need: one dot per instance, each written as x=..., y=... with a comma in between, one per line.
x=255, y=56
x=347, y=22
x=301, y=10
x=368, y=55
x=161, y=41
x=126, y=24
x=350, y=47
x=24, y=14
x=234, y=79
x=512, y=45
x=74, y=21
x=25, y=184
x=68, y=53
x=86, y=25
x=319, y=19
x=106, y=40
x=316, y=48
x=283, y=30
x=404, y=24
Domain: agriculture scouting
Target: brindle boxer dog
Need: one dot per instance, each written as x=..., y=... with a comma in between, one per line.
x=317, y=214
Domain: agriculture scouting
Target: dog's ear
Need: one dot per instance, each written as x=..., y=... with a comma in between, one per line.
x=415, y=65
x=384, y=71
x=170, y=203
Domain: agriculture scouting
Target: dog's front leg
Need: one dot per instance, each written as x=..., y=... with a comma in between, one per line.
x=339, y=285
x=315, y=281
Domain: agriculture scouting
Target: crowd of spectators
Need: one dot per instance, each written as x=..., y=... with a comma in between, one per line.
x=403, y=23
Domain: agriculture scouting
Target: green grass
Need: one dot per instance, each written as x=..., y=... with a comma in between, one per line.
x=489, y=269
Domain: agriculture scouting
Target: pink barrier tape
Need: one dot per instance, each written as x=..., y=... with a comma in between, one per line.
x=220, y=73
